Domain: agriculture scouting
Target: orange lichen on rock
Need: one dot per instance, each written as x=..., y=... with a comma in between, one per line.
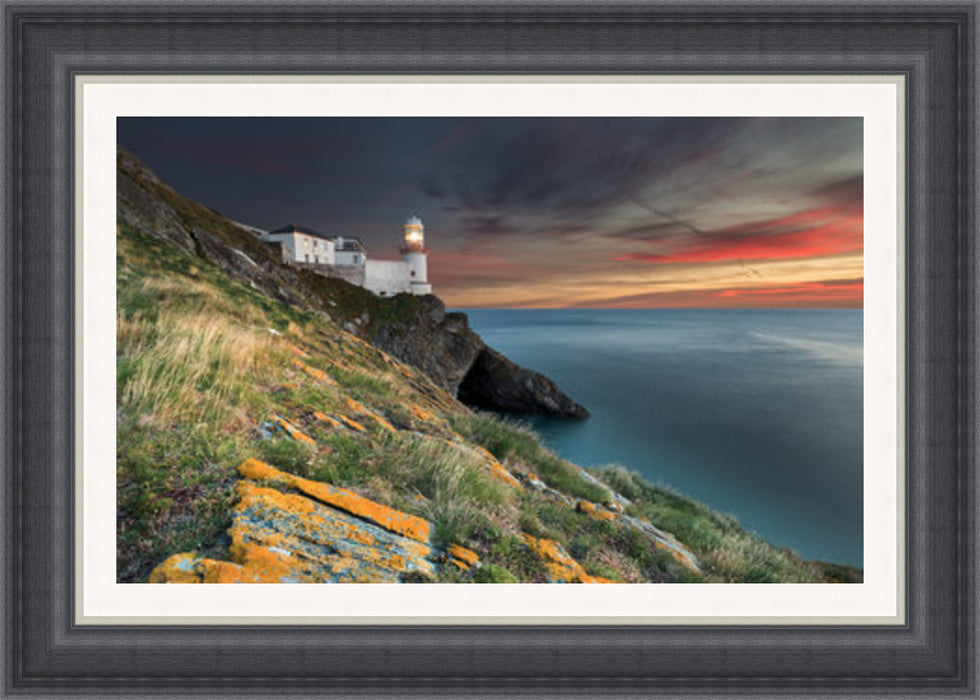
x=484, y=452
x=281, y=537
x=383, y=422
x=314, y=372
x=360, y=409
x=462, y=557
x=594, y=512
x=264, y=563
x=213, y=571
x=180, y=568
x=497, y=470
x=352, y=424
x=421, y=413
x=187, y=568
x=388, y=518
x=329, y=420
x=354, y=405
x=294, y=432
x=342, y=365
x=680, y=554
x=560, y=565
x=667, y=542
x=297, y=350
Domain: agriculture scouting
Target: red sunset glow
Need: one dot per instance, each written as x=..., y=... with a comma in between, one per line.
x=558, y=211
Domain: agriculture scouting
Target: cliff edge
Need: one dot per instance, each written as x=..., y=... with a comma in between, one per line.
x=416, y=330
x=445, y=347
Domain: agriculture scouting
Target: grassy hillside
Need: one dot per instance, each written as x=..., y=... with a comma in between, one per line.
x=212, y=374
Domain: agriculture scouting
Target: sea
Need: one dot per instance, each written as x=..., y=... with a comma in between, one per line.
x=755, y=413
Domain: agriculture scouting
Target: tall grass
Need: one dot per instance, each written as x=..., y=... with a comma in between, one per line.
x=456, y=490
x=726, y=551
x=508, y=439
x=193, y=367
x=198, y=373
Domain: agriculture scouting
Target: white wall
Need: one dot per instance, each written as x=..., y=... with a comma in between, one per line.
x=417, y=263
x=349, y=257
x=383, y=277
x=386, y=277
x=303, y=248
x=287, y=241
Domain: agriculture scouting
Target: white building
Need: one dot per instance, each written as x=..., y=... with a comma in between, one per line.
x=349, y=251
x=345, y=257
x=304, y=245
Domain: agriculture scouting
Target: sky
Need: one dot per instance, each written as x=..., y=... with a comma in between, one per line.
x=552, y=212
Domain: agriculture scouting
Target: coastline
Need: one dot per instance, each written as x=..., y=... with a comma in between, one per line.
x=263, y=438
x=661, y=422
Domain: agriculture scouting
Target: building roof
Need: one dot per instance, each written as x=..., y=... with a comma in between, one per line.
x=349, y=243
x=293, y=228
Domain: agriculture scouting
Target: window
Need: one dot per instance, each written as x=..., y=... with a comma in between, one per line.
x=307, y=257
x=412, y=273
x=316, y=258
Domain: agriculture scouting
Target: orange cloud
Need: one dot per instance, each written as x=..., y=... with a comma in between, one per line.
x=812, y=233
x=824, y=294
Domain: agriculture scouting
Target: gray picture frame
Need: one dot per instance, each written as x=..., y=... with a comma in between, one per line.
x=933, y=44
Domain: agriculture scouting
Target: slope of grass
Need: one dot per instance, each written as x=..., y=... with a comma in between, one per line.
x=510, y=440
x=726, y=551
x=206, y=366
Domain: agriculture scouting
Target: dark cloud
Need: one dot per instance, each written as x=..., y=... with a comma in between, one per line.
x=487, y=225
x=554, y=172
x=648, y=231
x=847, y=193
x=638, y=189
x=809, y=233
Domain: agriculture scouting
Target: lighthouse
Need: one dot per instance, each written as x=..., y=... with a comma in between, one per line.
x=415, y=254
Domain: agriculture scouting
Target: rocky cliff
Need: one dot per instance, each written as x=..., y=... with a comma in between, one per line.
x=416, y=330
x=443, y=345
x=258, y=439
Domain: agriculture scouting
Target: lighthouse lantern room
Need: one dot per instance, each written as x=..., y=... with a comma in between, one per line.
x=414, y=253
x=414, y=234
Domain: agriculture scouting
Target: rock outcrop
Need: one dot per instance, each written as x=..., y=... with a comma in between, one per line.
x=289, y=529
x=440, y=344
x=560, y=566
x=416, y=330
x=445, y=347
x=286, y=529
x=495, y=382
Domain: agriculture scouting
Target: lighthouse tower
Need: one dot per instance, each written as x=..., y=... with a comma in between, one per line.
x=415, y=255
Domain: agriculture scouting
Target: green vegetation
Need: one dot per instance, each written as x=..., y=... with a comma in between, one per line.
x=207, y=367
x=352, y=303
x=509, y=440
x=726, y=551
x=494, y=573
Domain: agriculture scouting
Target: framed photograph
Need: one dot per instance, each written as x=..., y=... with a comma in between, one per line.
x=675, y=303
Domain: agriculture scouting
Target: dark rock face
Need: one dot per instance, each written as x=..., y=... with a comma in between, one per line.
x=416, y=330
x=445, y=347
x=495, y=382
x=440, y=344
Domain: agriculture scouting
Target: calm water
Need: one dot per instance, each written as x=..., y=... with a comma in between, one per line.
x=757, y=413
